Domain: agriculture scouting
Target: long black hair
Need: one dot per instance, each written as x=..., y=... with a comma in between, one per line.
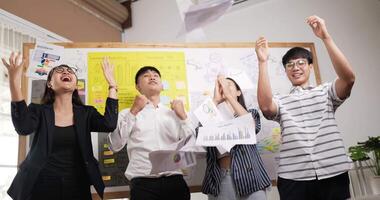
x=49, y=95
x=240, y=98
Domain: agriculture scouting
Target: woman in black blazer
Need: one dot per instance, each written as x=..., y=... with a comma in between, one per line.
x=60, y=163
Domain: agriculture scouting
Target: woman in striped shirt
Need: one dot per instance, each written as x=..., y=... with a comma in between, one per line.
x=238, y=174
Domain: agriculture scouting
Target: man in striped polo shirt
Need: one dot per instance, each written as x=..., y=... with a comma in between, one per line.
x=313, y=161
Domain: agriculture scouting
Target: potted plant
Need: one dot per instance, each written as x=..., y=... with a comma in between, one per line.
x=369, y=152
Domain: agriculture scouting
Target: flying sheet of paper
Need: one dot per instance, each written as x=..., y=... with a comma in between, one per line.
x=44, y=58
x=207, y=113
x=197, y=35
x=179, y=155
x=227, y=134
x=205, y=12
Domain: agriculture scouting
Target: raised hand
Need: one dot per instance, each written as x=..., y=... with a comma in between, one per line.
x=108, y=72
x=226, y=93
x=218, y=98
x=178, y=108
x=139, y=104
x=318, y=26
x=261, y=49
x=15, y=68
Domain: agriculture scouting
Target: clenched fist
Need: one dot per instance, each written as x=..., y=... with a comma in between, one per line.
x=178, y=108
x=139, y=104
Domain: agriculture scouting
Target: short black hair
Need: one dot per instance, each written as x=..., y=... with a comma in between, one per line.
x=295, y=53
x=143, y=70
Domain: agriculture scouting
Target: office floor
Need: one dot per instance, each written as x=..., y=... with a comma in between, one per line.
x=272, y=194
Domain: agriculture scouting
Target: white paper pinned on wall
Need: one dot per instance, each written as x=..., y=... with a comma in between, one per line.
x=45, y=57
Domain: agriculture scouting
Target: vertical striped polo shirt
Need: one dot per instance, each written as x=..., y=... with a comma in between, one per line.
x=312, y=146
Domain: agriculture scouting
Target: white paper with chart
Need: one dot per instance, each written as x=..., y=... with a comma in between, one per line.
x=227, y=134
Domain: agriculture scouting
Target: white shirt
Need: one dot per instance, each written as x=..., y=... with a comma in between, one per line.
x=312, y=145
x=150, y=130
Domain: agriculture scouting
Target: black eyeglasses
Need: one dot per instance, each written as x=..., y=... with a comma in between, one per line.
x=61, y=69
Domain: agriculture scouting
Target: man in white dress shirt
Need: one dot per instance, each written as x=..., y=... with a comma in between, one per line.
x=149, y=126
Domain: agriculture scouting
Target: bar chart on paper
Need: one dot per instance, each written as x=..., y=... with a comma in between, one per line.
x=240, y=130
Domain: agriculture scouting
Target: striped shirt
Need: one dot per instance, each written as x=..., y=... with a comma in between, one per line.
x=247, y=168
x=312, y=146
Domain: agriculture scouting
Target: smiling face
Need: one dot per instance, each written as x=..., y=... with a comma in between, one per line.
x=298, y=71
x=63, y=79
x=149, y=83
x=298, y=63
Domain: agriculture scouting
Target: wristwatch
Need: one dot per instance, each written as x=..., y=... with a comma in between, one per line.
x=112, y=86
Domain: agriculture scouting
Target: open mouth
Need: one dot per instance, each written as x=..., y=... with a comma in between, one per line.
x=66, y=79
x=297, y=75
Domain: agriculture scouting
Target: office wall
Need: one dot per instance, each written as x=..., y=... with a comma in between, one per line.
x=355, y=26
x=63, y=18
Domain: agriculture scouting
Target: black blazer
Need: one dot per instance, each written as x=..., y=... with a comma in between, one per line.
x=39, y=119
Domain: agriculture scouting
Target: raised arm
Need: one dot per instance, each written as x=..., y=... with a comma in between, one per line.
x=342, y=67
x=217, y=98
x=25, y=119
x=109, y=76
x=264, y=90
x=186, y=126
x=108, y=121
